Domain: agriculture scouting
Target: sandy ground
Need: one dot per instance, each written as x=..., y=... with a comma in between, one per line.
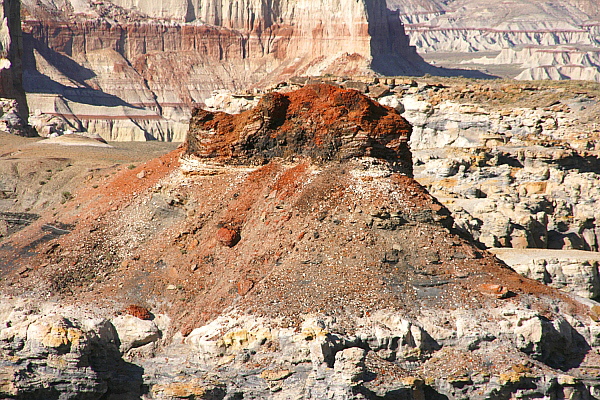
x=37, y=174
x=120, y=152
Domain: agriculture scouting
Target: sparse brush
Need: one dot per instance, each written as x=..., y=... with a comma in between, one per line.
x=66, y=196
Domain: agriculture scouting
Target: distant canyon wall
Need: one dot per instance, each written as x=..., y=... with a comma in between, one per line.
x=476, y=25
x=143, y=65
x=13, y=104
x=454, y=31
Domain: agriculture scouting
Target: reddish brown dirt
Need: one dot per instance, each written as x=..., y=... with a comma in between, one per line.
x=314, y=237
x=320, y=121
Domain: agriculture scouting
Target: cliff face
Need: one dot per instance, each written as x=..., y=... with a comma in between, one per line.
x=475, y=25
x=149, y=67
x=557, y=63
x=465, y=27
x=14, y=113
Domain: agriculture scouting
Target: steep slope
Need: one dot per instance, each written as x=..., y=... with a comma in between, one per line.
x=13, y=104
x=284, y=252
x=133, y=70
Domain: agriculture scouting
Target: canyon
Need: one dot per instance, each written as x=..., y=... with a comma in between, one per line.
x=327, y=229
x=459, y=32
x=134, y=71
x=130, y=70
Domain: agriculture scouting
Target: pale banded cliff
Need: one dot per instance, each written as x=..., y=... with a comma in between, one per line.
x=132, y=70
x=452, y=31
x=13, y=106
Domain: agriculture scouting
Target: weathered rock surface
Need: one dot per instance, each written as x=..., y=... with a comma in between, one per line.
x=48, y=351
x=575, y=271
x=514, y=177
x=515, y=163
x=556, y=63
x=457, y=32
x=347, y=281
x=135, y=75
x=474, y=25
x=13, y=104
x=338, y=124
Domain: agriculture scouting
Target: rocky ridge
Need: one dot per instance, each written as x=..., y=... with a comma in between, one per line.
x=299, y=276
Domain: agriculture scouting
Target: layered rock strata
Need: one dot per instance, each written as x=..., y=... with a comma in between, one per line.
x=453, y=33
x=474, y=25
x=130, y=76
x=556, y=63
x=315, y=275
x=13, y=104
x=278, y=127
x=516, y=163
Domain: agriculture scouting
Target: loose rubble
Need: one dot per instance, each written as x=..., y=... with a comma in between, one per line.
x=348, y=280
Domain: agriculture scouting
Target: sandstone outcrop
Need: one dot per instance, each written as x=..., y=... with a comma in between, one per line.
x=556, y=63
x=575, y=271
x=474, y=27
x=515, y=174
x=137, y=75
x=347, y=281
x=13, y=104
x=338, y=124
x=522, y=177
x=454, y=33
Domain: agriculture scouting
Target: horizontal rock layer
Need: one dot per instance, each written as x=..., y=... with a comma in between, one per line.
x=322, y=122
x=146, y=74
x=323, y=275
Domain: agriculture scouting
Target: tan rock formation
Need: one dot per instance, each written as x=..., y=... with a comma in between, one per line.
x=345, y=280
x=13, y=114
x=146, y=75
x=555, y=63
x=452, y=33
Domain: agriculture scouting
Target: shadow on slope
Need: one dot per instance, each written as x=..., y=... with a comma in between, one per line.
x=394, y=65
x=36, y=82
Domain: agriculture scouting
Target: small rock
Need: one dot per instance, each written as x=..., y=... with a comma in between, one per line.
x=228, y=237
x=350, y=365
x=498, y=291
x=171, y=287
x=141, y=174
x=138, y=312
x=378, y=91
x=360, y=86
x=134, y=332
x=244, y=286
x=23, y=270
x=275, y=374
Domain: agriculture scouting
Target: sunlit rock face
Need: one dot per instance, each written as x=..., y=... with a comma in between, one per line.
x=144, y=65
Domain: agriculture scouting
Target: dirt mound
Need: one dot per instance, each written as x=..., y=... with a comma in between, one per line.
x=320, y=121
x=339, y=231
